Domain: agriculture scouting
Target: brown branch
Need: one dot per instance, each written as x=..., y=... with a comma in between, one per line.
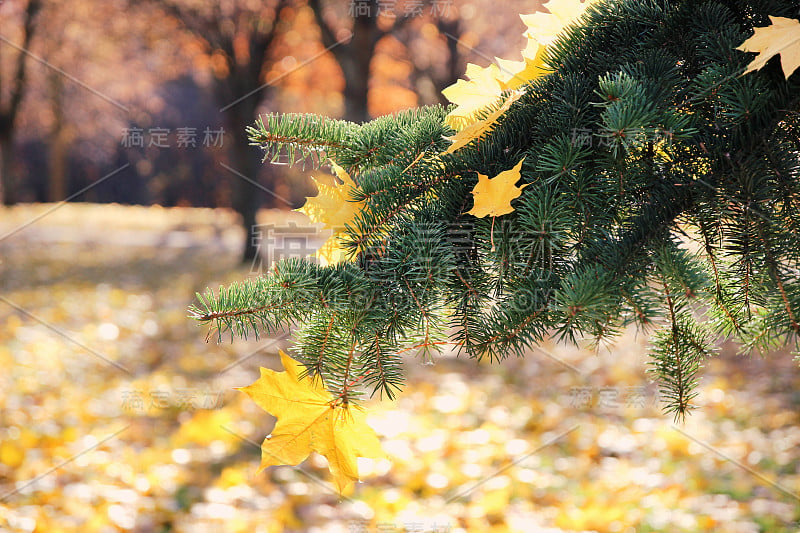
x=318, y=364
x=683, y=403
x=774, y=268
x=638, y=310
x=394, y=212
x=378, y=362
x=219, y=315
x=425, y=314
x=517, y=330
x=718, y=286
x=464, y=323
x=298, y=141
x=426, y=344
x=345, y=385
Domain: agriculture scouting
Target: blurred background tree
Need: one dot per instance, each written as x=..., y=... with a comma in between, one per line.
x=238, y=36
x=95, y=97
x=13, y=80
x=116, y=281
x=353, y=39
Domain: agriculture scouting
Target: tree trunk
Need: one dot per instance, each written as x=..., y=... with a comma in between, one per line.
x=6, y=167
x=455, y=61
x=354, y=58
x=355, y=65
x=8, y=115
x=59, y=143
x=57, y=186
x=247, y=195
x=246, y=200
x=356, y=91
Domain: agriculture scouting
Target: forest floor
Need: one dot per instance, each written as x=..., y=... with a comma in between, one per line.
x=117, y=415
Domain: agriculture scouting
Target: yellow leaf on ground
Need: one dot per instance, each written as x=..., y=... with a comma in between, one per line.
x=310, y=420
x=781, y=37
x=477, y=130
x=493, y=196
x=11, y=454
x=204, y=427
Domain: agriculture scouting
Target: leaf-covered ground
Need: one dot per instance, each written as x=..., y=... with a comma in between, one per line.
x=117, y=415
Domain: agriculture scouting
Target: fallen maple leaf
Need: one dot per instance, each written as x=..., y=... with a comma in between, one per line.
x=309, y=419
x=493, y=196
x=486, y=85
x=781, y=37
x=477, y=130
x=333, y=206
x=518, y=73
x=545, y=27
x=483, y=89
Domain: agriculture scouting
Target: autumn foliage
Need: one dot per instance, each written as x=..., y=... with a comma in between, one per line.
x=310, y=419
x=588, y=237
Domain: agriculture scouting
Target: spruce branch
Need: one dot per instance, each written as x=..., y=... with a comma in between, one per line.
x=643, y=137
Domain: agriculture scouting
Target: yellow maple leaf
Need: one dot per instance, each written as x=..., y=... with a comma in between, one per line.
x=477, y=130
x=309, y=419
x=518, y=73
x=333, y=206
x=781, y=37
x=493, y=195
x=333, y=251
x=545, y=27
x=483, y=89
x=485, y=85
